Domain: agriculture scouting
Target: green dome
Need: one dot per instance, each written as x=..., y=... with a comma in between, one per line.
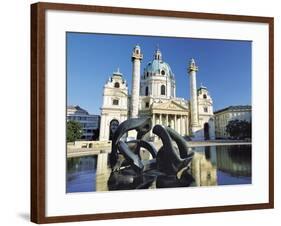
x=158, y=67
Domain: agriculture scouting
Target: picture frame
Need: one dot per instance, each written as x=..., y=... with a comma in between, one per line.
x=39, y=108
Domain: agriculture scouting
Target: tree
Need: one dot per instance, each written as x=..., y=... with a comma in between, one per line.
x=73, y=131
x=239, y=129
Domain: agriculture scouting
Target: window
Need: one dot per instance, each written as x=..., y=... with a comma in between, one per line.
x=204, y=96
x=116, y=85
x=163, y=90
x=205, y=109
x=162, y=72
x=137, y=51
x=147, y=104
x=115, y=102
x=146, y=91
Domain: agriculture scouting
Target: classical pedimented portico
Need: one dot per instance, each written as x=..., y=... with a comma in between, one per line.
x=171, y=114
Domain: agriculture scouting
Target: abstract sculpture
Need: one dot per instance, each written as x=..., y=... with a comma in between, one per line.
x=168, y=166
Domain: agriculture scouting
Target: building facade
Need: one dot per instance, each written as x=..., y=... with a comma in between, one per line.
x=153, y=95
x=115, y=105
x=223, y=116
x=90, y=123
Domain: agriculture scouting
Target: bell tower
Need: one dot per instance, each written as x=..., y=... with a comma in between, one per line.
x=114, y=109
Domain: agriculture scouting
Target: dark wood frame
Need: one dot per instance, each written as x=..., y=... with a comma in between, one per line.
x=38, y=22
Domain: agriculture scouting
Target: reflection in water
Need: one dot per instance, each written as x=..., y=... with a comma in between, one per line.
x=221, y=165
x=81, y=174
x=211, y=166
x=127, y=179
x=203, y=166
x=235, y=162
x=234, y=165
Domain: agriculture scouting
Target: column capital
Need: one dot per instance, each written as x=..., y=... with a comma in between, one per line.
x=137, y=55
x=192, y=66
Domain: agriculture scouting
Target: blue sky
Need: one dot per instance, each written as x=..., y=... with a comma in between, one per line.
x=224, y=66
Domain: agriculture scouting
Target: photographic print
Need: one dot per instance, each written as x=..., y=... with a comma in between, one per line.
x=132, y=105
x=151, y=112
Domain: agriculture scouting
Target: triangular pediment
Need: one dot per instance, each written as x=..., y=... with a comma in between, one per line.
x=169, y=105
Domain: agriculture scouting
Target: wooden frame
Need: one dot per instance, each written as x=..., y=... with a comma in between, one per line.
x=38, y=193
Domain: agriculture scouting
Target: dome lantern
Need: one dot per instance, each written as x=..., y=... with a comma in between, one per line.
x=158, y=55
x=157, y=67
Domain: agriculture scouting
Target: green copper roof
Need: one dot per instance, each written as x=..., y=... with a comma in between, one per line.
x=157, y=65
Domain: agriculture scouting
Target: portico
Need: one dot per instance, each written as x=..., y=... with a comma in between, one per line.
x=171, y=114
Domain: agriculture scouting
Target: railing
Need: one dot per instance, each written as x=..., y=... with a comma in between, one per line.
x=80, y=152
x=86, y=148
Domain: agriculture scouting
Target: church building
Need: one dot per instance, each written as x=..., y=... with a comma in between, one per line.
x=153, y=95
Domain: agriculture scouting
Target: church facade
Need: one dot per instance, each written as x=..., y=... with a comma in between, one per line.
x=153, y=95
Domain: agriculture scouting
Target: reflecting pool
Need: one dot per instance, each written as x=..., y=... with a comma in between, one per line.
x=210, y=166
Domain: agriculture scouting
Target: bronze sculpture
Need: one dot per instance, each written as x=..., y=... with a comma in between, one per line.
x=168, y=167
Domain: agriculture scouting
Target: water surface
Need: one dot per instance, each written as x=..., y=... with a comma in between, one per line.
x=211, y=166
